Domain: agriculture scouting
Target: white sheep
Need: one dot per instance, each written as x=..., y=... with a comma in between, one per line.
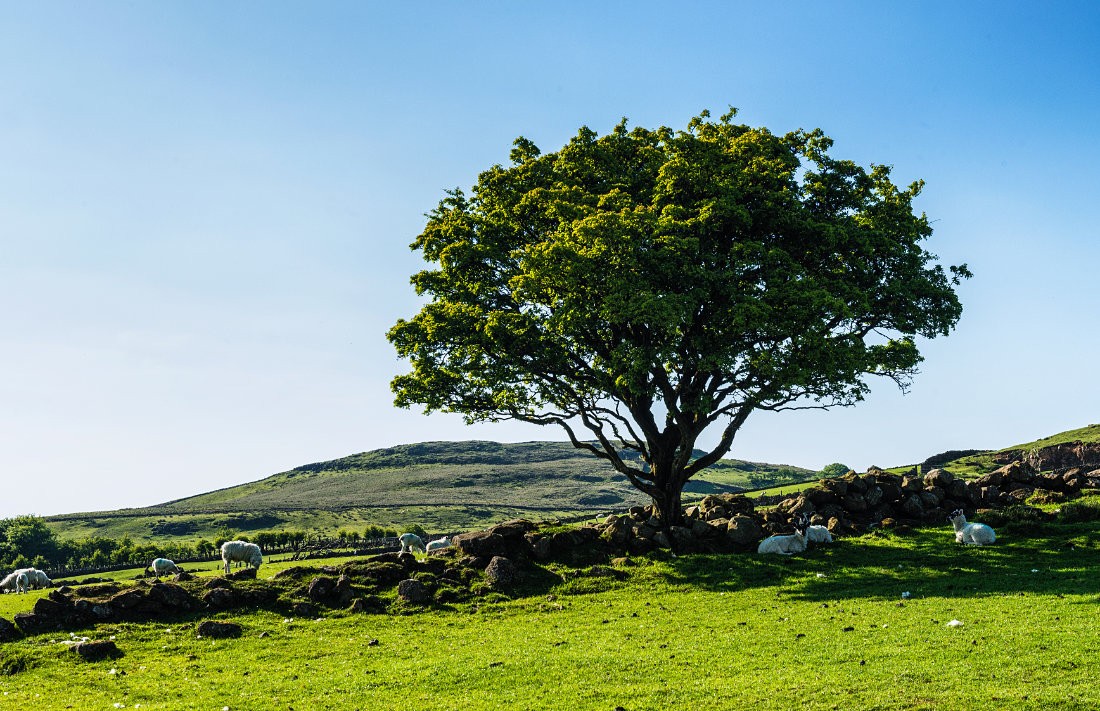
x=972, y=534
x=411, y=542
x=786, y=544
x=438, y=544
x=31, y=576
x=818, y=534
x=244, y=551
x=40, y=579
x=164, y=566
x=10, y=583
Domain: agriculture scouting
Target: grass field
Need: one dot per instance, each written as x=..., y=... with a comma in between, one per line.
x=829, y=629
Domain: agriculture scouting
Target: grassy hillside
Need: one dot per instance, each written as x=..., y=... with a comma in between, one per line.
x=832, y=628
x=442, y=486
x=975, y=465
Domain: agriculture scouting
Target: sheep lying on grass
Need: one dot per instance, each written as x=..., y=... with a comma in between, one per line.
x=972, y=534
x=818, y=534
x=438, y=544
x=786, y=544
x=411, y=542
x=243, y=551
x=163, y=566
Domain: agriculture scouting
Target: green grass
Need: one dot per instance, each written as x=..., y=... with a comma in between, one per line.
x=828, y=629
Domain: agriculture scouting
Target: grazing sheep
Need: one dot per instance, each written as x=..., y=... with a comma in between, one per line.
x=40, y=579
x=165, y=566
x=818, y=534
x=10, y=583
x=972, y=534
x=32, y=577
x=249, y=553
x=786, y=544
x=438, y=544
x=411, y=542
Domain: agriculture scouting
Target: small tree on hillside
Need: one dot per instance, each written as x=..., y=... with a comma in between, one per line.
x=835, y=469
x=640, y=287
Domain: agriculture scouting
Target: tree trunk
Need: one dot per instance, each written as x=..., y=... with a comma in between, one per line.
x=669, y=508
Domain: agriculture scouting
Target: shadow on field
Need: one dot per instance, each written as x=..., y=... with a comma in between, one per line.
x=925, y=563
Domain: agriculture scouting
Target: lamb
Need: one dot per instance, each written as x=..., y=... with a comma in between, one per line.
x=21, y=582
x=32, y=577
x=163, y=565
x=411, y=542
x=818, y=534
x=244, y=551
x=438, y=544
x=786, y=544
x=972, y=534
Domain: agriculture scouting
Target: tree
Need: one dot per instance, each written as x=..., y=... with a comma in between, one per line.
x=835, y=469
x=640, y=287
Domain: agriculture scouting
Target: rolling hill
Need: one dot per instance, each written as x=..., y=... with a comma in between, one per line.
x=442, y=486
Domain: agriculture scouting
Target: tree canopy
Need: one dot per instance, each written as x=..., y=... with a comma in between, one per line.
x=638, y=287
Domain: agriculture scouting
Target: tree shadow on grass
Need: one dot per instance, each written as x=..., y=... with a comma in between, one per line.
x=927, y=563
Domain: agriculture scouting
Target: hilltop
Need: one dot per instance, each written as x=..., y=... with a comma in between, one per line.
x=443, y=486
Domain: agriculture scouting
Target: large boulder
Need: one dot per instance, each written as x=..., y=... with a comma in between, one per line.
x=501, y=573
x=491, y=543
x=744, y=531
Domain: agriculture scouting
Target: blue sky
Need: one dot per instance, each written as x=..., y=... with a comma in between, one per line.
x=205, y=211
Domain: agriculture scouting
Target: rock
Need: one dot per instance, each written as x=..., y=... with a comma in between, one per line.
x=171, y=596
x=796, y=505
x=911, y=485
x=243, y=574
x=126, y=599
x=367, y=604
x=488, y=543
x=218, y=630
x=96, y=650
x=501, y=572
x=854, y=502
x=220, y=598
x=660, y=538
x=304, y=609
x=8, y=631
x=618, y=530
x=744, y=531
x=412, y=591
x=1064, y=456
x=874, y=496
x=913, y=506
x=939, y=477
x=321, y=588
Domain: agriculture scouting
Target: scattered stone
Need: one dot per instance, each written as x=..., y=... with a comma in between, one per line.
x=412, y=591
x=97, y=650
x=218, y=630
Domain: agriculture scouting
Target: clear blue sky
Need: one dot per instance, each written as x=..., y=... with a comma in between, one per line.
x=206, y=207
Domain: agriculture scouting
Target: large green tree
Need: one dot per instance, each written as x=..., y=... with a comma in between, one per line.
x=639, y=287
